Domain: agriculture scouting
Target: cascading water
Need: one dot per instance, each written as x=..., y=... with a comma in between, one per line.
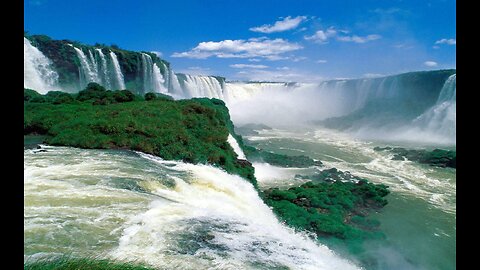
x=106, y=76
x=117, y=72
x=202, y=86
x=236, y=147
x=153, y=80
x=169, y=214
x=87, y=69
x=38, y=73
x=100, y=69
x=441, y=118
x=174, y=85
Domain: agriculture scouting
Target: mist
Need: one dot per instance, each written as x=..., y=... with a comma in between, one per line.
x=283, y=106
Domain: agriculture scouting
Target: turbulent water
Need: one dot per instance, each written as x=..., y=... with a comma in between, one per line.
x=37, y=70
x=171, y=215
x=420, y=218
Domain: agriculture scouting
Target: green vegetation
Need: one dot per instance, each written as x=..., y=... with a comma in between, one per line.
x=336, y=212
x=71, y=263
x=436, y=157
x=281, y=160
x=153, y=96
x=193, y=131
x=329, y=209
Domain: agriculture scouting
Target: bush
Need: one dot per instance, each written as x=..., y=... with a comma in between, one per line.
x=58, y=97
x=123, y=96
x=93, y=91
x=150, y=96
x=28, y=94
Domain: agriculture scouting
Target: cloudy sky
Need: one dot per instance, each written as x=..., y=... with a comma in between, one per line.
x=270, y=40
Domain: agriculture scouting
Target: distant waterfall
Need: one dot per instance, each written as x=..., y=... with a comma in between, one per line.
x=117, y=72
x=106, y=78
x=153, y=80
x=87, y=74
x=174, y=85
x=441, y=118
x=37, y=71
x=100, y=69
x=202, y=86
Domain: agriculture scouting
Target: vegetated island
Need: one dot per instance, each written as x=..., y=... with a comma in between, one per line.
x=196, y=131
x=436, y=157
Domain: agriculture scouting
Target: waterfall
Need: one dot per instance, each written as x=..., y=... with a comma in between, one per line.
x=106, y=78
x=117, y=72
x=37, y=71
x=174, y=85
x=441, y=118
x=100, y=69
x=153, y=80
x=87, y=74
x=202, y=86
x=236, y=147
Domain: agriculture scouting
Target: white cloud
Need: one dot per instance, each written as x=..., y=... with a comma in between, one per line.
x=450, y=41
x=297, y=58
x=287, y=23
x=436, y=47
x=283, y=68
x=159, y=54
x=254, y=60
x=321, y=61
x=358, y=39
x=321, y=36
x=270, y=49
x=430, y=63
x=247, y=66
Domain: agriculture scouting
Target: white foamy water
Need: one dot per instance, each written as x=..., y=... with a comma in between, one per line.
x=234, y=144
x=346, y=153
x=171, y=215
x=38, y=73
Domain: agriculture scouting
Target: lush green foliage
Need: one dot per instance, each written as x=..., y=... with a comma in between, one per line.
x=436, y=157
x=29, y=94
x=194, y=130
x=329, y=209
x=71, y=263
x=152, y=96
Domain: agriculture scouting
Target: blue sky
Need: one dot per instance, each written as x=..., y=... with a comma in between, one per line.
x=301, y=40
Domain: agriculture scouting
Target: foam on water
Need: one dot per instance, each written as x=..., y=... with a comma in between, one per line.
x=169, y=214
x=234, y=144
x=231, y=227
x=347, y=153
